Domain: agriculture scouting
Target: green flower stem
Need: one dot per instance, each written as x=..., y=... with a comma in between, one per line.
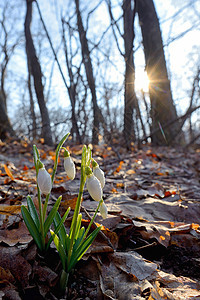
x=54, y=172
x=41, y=217
x=92, y=220
x=45, y=206
x=64, y=280
x=78, y=204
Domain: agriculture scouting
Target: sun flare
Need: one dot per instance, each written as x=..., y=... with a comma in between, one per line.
x=141, y=81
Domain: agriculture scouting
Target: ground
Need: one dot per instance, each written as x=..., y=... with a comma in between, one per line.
x=149, y=247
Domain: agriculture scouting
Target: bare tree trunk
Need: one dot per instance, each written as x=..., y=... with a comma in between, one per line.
x=5, y=125
x=33, y=117
x=37, y=76
x=130, y=96
x=71, y=90
x=162, y=106
x=89, y=74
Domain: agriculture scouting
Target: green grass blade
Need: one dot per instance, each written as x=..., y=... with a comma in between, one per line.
x=59, y=248
x=49, y=219
x=58, y=228
x=67, y=242
x=78, y=226
x=77, y=255
x=33, y=212
x=62, y=232
x=32, y=227
x=79, y=239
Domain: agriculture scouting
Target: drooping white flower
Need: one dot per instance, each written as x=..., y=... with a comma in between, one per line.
x=103, y=210
x=69, y=167
x=44, y=181
x=94, y=187
x=99, y=175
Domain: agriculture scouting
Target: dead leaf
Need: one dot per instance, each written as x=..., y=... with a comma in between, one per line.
x=8, y=172
x=10, y=209
x=13, y=236
x=5, y=275
x=10, y=259
x=69, y=201
x=133, y=263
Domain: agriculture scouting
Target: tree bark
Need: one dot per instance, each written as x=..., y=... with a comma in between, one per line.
x=32, y=108
x=37, y=76
x=162, y=106
x=89, y=74
x=71, y=90
x=5, y=125
x=129, y=96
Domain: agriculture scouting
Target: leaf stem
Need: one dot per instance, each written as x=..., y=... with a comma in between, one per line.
x=78, y=204
x=92, y=220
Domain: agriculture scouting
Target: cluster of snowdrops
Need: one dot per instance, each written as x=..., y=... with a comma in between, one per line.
x=73, y=245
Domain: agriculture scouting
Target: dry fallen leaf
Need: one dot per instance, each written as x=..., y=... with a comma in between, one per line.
x=8, y=172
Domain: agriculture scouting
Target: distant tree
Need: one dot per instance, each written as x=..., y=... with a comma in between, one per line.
x=35, y=70
x=129, y=95
x=97, y=115
x=7, y=47
x=5, y=125
x=162, y=106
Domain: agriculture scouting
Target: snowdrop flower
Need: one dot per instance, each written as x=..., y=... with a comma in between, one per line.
x=69, y=165
x=44, y=180
x=98, y=173
x=103, y=210
x=93, y=185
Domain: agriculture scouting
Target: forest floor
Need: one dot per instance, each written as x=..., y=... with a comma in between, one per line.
x=150, y=247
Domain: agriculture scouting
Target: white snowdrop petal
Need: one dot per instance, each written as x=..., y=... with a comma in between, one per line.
x=44, y=181
x=94, y=187
x=103, y=210
x=100, y=175
x=69, y=167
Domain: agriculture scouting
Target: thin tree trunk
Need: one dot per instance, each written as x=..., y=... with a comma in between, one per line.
x=37, y=76
x=89, y=74
x=71, y=91
x=5, y=125
x=33, y=117
x=162, y=106
x=130, y=96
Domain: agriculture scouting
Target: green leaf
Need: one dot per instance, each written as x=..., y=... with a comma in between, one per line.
x=59, y=227
x=32, y=227
x=77, y=255
x=49, y=219
x=59, y=248
x=62, y=232
x=78, y=226
x=79, y=239
x=67, y=243
x=33, y=212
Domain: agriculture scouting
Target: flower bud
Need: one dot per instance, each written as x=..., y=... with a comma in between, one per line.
x=94, y=187
x=103, y=210
x=69, y=167
x=44, y=181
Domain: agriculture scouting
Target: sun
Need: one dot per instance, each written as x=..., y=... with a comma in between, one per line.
x=141, y=81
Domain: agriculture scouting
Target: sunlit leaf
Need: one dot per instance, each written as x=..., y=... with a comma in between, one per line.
x=8, y=172
x=59, y=248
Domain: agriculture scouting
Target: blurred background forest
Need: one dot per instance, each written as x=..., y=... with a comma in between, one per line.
x=105, y=70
